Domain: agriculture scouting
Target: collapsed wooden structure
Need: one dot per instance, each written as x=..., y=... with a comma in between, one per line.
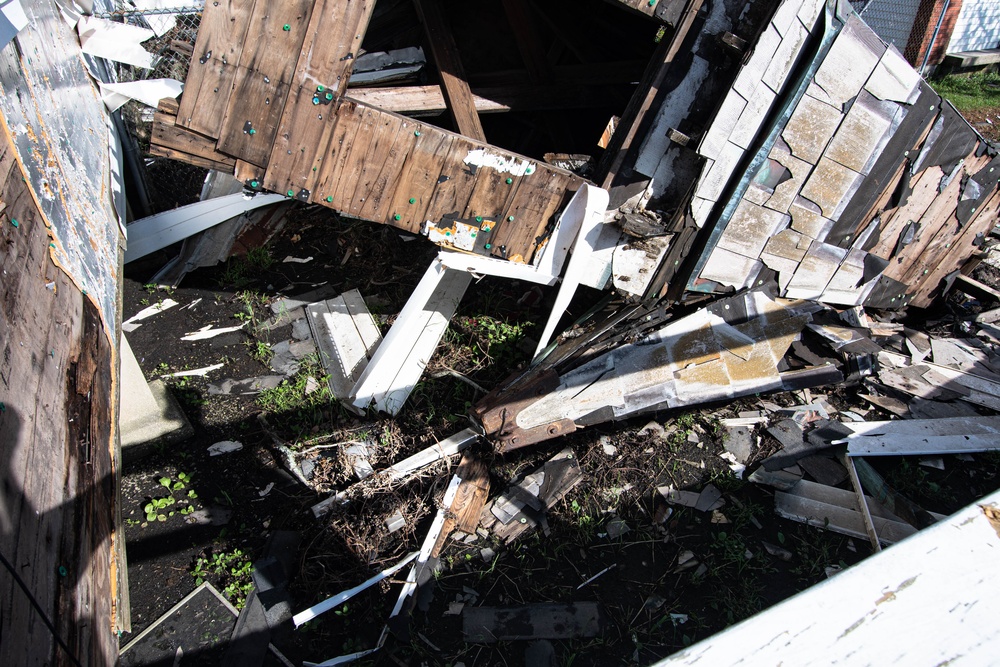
x=770, y=146
x=775, y=149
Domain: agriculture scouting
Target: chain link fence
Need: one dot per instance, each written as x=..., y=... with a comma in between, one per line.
x=176, y=29
x=919, y=29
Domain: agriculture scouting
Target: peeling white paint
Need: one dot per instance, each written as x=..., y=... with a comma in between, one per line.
x=480, y=157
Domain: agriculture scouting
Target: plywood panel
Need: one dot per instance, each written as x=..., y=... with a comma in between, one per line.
x=276, y=33
x=56, y=446
x=212, y=72
x=380, y=203
x=321, y=72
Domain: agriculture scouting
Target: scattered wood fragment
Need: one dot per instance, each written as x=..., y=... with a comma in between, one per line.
x=522, y=505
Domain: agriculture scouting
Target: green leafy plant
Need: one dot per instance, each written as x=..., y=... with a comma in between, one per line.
x=233, y=569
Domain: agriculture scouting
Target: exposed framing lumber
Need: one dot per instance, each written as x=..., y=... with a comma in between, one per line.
x=429, y=100
x=635, y=114
x=455, y=85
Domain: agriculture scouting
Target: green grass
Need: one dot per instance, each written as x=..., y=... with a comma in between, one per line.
x=970, y=92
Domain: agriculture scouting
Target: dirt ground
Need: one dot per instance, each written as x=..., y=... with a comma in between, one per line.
x=669, y=575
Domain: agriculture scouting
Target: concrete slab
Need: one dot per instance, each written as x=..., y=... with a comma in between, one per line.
x=149, y=414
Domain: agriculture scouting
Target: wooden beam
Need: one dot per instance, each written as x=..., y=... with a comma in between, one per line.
x=456, y=86
x=430, y=100
x=642, y=102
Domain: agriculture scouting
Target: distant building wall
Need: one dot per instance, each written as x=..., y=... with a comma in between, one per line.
x=892, y=20
x=929, y=41
x=977, y=26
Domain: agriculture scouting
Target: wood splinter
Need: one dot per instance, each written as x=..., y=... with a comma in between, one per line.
x=466, y=509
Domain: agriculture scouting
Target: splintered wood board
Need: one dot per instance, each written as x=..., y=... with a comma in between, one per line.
x=212, y=72
x=263, y=79
x=325, y=60
x=170, y=140
x=531, y=211
x=537, y=621
x=346, y=336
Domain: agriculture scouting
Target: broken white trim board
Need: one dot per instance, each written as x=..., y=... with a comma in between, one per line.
x=207, y=332
x=331, y=602
x=401, y=357
x=932, y=599
x=120, y=42
x=158, y=231
x=410, y=465
x=923, y=437
x=347, y=337
x=587, y=206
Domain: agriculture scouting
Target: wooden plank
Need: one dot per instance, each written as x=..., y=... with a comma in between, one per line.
x=323, y=66
x=530, y=213
x=276, y=32
x=473, y=490
x=932, y=276
x=429, y=100
x=939, y=233
x=418, y=178
x=455, y=182
x=175, y=140
x=213, y=68
x=453, y=80
x=572, y=620
x=204, y=163
x=369, y=194
x=345, y=153
x=380, y=201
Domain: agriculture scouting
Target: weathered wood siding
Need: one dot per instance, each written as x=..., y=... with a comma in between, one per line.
x=57, y=399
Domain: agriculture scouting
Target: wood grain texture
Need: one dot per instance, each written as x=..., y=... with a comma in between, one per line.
x=418, y=178
x=212, y=72
x=262, y=83
x=453, y=80
x=321, y=72
x=56, y=447
x=170, y=140
x=529, y=217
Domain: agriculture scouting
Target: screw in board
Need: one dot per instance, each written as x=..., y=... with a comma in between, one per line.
x=15, y=222
x=286, y=27
x=329, y=199
x=413, y=200
x=510, y=218
x=397, y=217
x=290, y=193
x=416, y=133
x=252, y=131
